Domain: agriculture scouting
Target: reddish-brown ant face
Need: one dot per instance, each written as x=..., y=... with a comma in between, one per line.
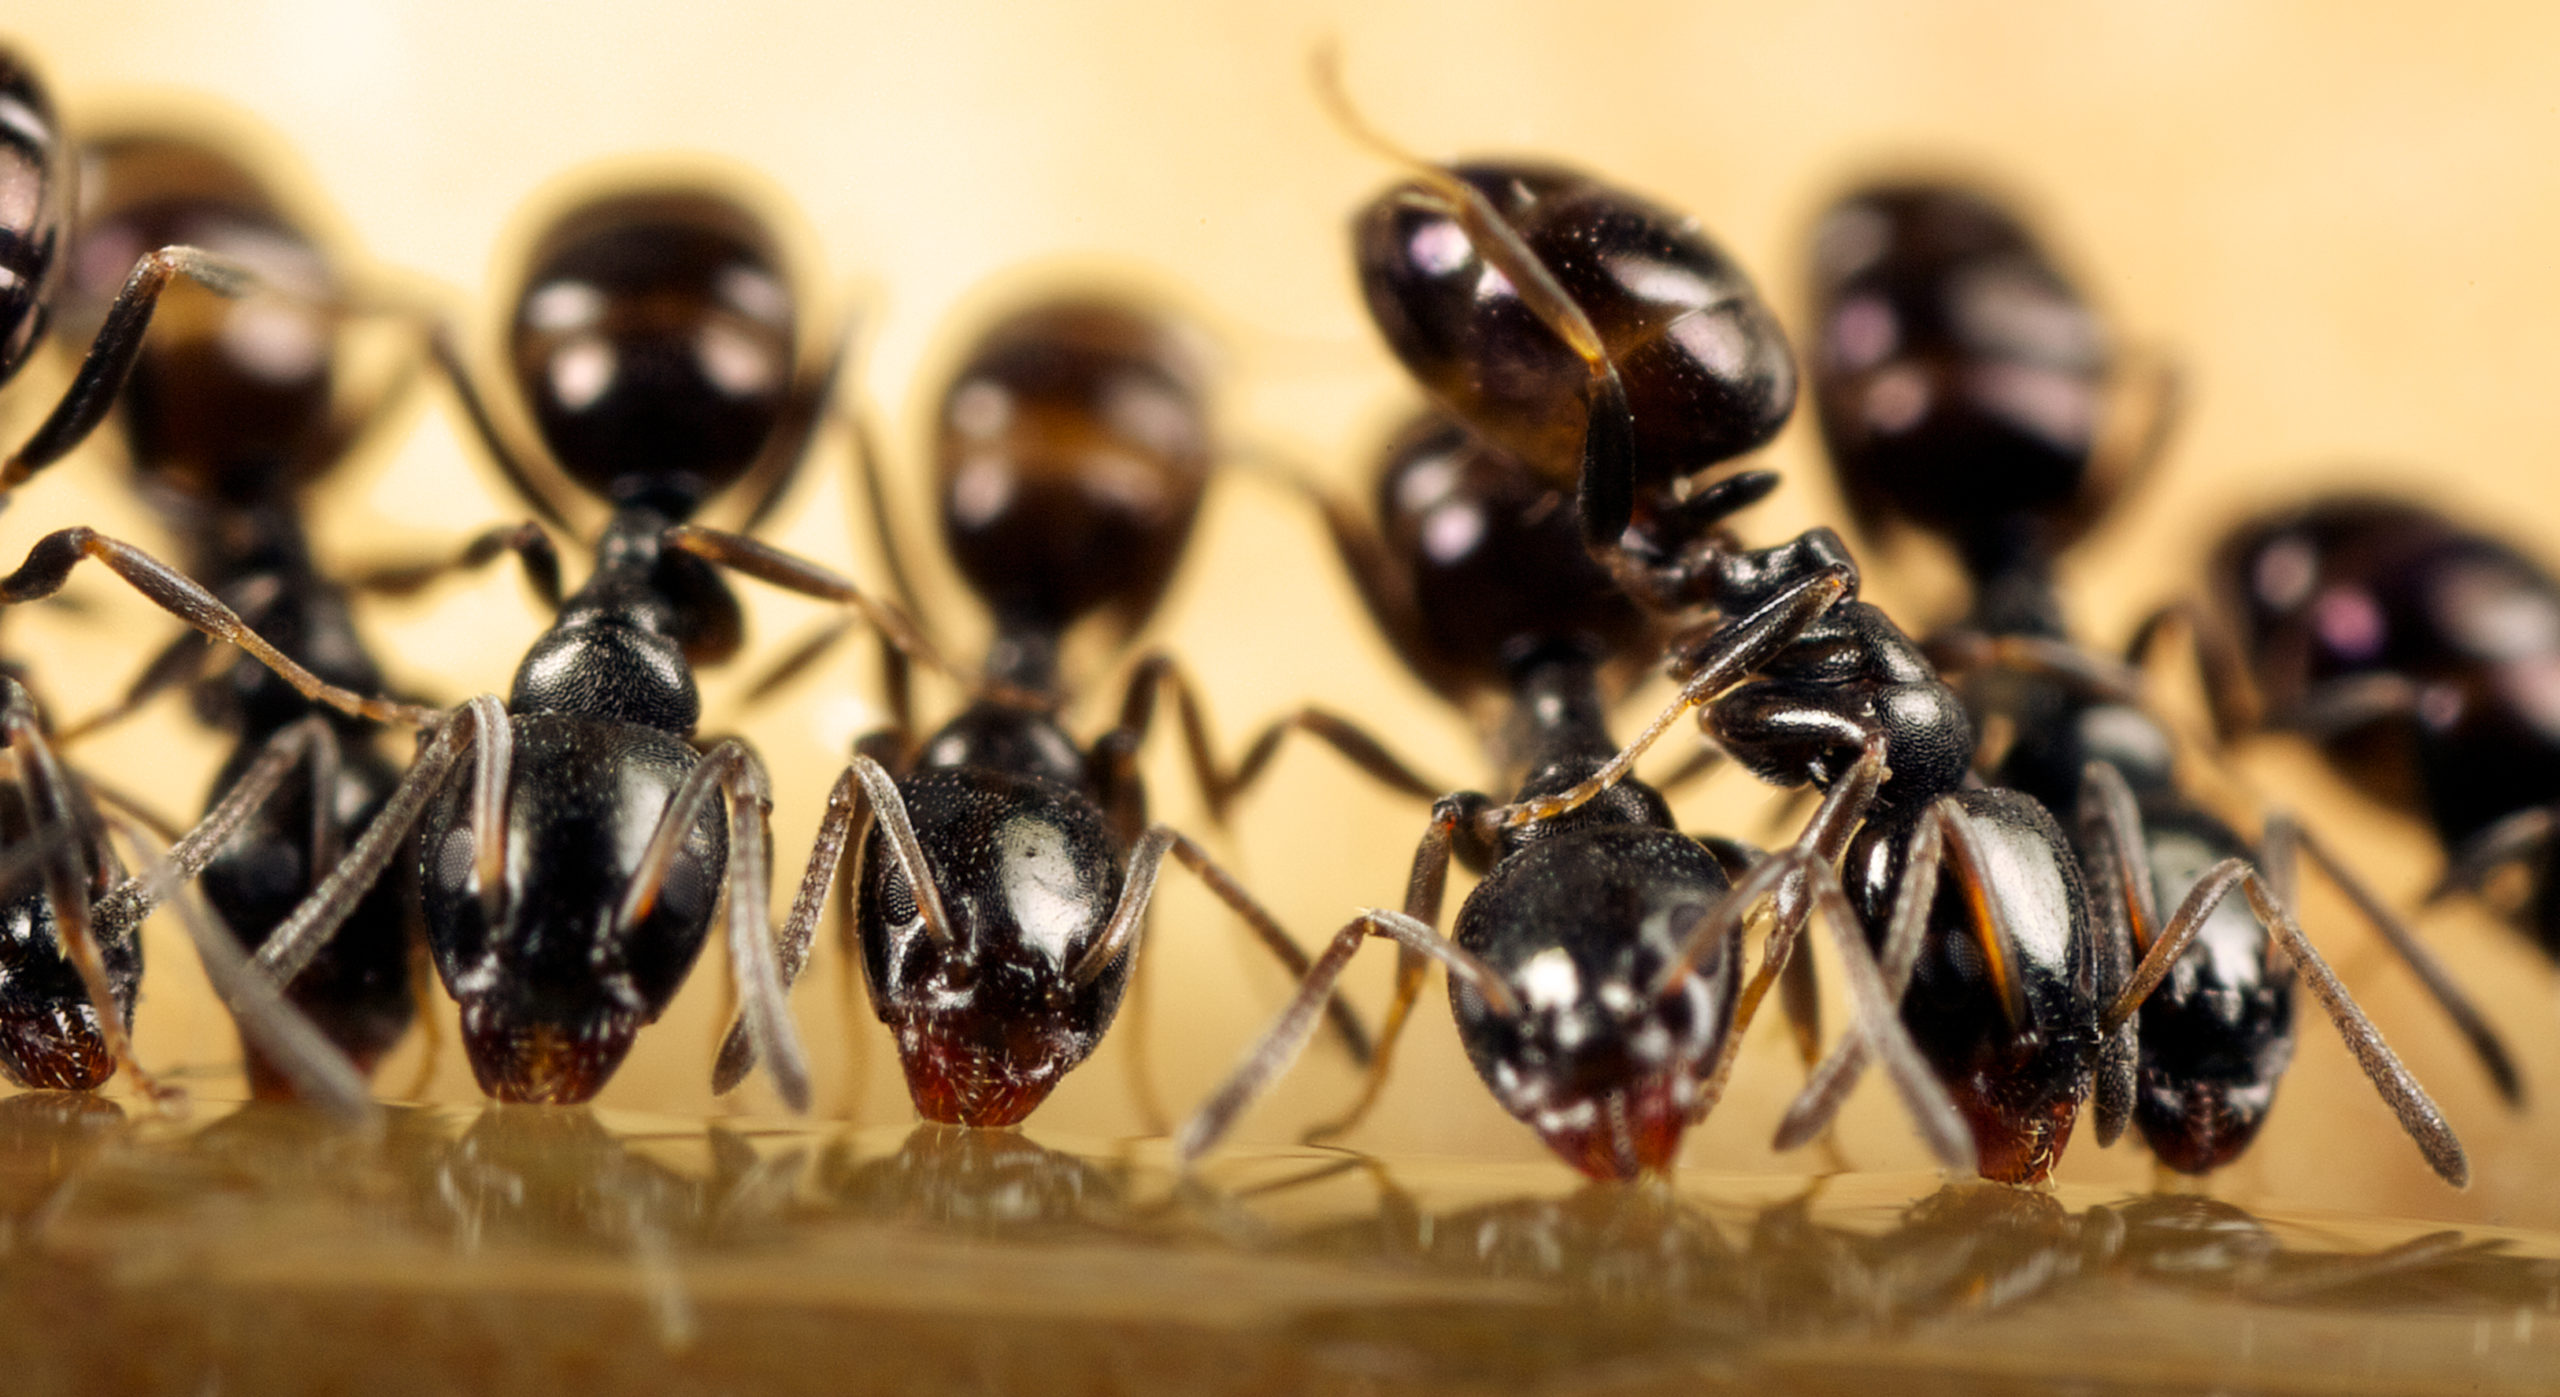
x=655, y=341
x=1704, y=364
x=1029, y=876
x=1072, y=450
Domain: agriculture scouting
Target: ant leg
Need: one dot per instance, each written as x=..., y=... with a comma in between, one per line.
x=1827, y=1087
x=112, y=353
x=730, y=770
x=281, y=1033
x=1426, y=887
x=2130, y=443
x=768, y=478
x=2518, y=837
x=1287, y=1036
x=49, y=564
x=845, y=819
x=1961, y=649
x=2231, y=694
x=532, y=547
x=137, y=897
x=1714, y=664
x=2121, y=891
x=2283, y=836
x=1879, y=1023
x=1128, y=922
x=774, y=567
x=507, y=451
x=1115, y=753
x=884, y=532
x=180, y=663
x=54, y=805
x=285, y=952
x=2418, y=1114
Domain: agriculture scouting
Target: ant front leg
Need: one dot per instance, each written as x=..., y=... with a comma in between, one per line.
x=2418, y=1113
x=530, y=545
x=848, y=815
x=1287, y=1036
x=49, y=564
x=2118, y=867
x=732, y=772
x=112, y=353
x=2515, y=839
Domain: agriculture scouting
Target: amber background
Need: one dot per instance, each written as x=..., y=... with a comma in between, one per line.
x=2338, y=220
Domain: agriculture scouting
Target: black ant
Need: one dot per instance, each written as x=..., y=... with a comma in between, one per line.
x=1596, y=970
x=2411, y=648
x=1007, y=871
x=1600, y=309
x=1964, y=388
x=572, y=844
x=233, y=410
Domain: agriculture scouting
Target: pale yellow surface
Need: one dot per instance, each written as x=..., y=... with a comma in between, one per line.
x=2338, y=219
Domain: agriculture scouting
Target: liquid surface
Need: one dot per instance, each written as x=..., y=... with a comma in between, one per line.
x=548, y=1249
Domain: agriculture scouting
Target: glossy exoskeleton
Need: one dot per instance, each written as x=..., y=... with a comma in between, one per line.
x=234, y=409
x=37, y=172
x=1962, y=385
x=1797, y=679
x=1596, y=971
x=2412, y=648
x=1007, y=870
x=571, y=844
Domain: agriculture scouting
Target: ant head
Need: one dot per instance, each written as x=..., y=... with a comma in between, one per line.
x=1071, y=451
x=34, y=171
x=230, y=400
x=1493, y=556
x=1603, y=1066
x=1960, y=379
x=1614, y=282
x=656, y=341
x=990, y=1021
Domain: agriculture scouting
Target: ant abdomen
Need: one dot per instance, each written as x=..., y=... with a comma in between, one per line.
x=1493, y=557
x=230, y=400
x=1960, y=378
x=1703, y=362
x=1027, y=872
x=1071, y=453
x=1600, y=1062
x=553, y=986
x=2003, y=999
x=656, y=345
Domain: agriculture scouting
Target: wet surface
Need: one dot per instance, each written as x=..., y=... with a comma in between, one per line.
x=548, y=1249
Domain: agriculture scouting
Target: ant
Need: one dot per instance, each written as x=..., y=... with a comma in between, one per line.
x=1596, y=969
x=1591, y=306
x=1007, y=870
x=233, y=410
x=572, y=843
x=2408, y=646
x=1964, y=388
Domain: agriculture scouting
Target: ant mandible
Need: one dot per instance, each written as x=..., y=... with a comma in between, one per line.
x=572, y=843
x=1007, y=871
x=1965, y=390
